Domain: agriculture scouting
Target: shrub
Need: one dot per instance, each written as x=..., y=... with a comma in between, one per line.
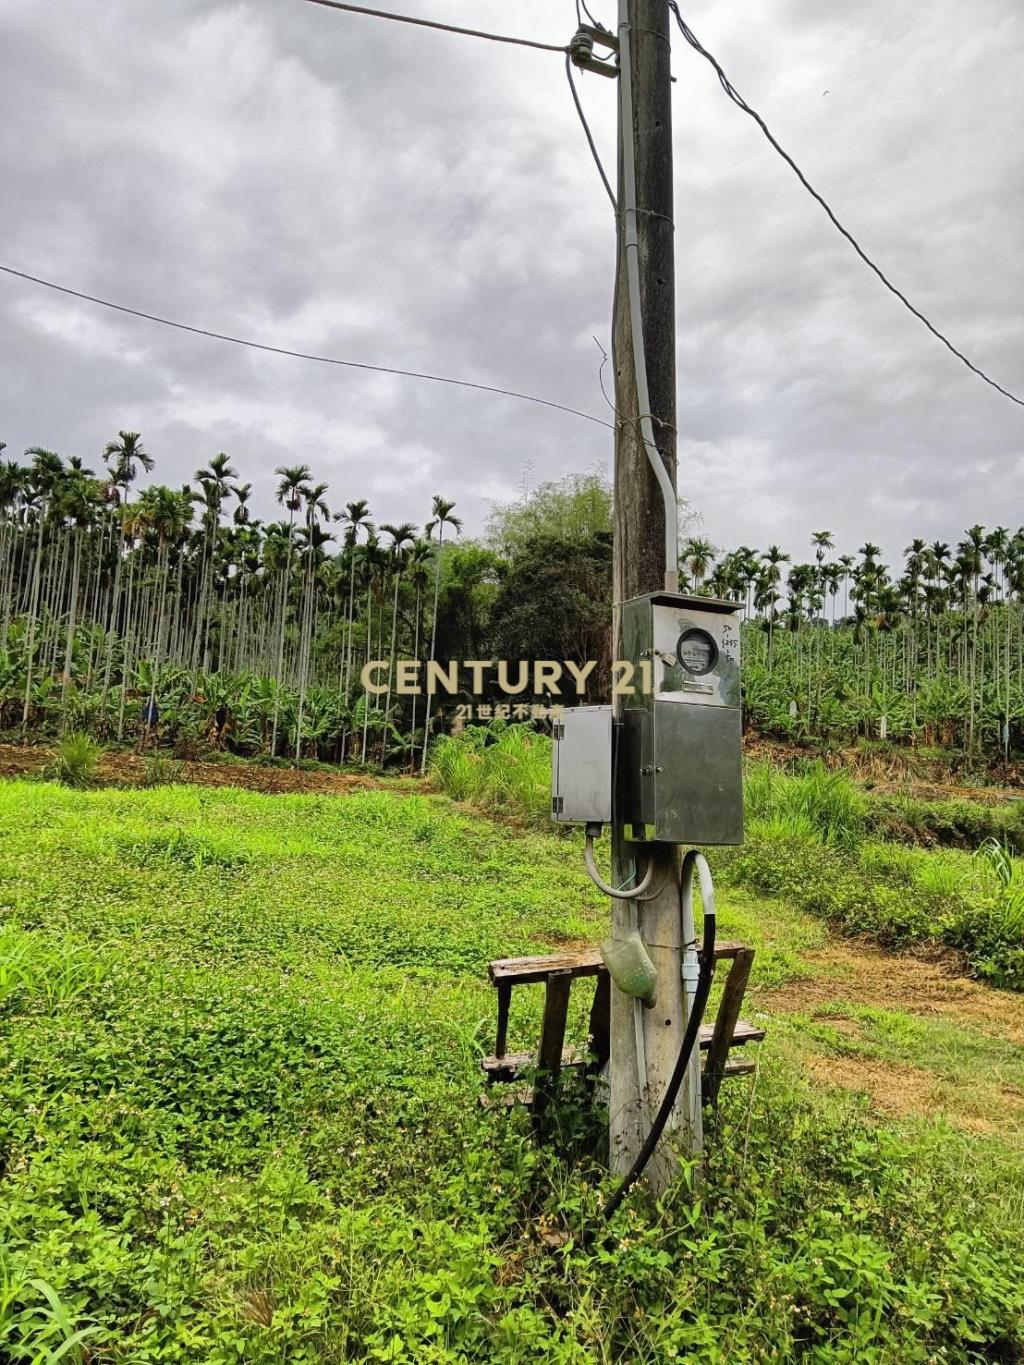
x=74, y=764
x=991, y=927
x=897, y=895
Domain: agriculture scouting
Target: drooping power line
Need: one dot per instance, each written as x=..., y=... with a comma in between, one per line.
x=443, y=28
x=594, y=152
x=589, y=135
x=741, y=103
x=304, y=355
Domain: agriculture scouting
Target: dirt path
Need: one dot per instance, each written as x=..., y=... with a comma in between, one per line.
x=922, y=984
x=128, y=769
x=979, y=1096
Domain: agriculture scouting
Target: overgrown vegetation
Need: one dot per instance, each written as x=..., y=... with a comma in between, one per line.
x=819, y=841
x=239, y=1050
x=505, y=769
x=808, y=842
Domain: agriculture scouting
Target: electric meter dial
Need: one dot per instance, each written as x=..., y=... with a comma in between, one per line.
x=697, y=652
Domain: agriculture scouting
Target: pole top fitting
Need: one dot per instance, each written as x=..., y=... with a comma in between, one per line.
x=581, y=50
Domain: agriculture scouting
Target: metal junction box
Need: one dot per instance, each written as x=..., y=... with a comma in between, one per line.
x=679, y=765
x=581, y=769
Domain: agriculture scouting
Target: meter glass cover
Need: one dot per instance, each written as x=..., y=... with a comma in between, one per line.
x=697, y=652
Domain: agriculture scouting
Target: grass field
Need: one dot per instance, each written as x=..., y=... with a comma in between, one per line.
x=239, y=1043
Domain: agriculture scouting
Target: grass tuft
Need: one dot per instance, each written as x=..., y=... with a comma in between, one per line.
x=75, y=762
x=502, y=768
x=827, y=801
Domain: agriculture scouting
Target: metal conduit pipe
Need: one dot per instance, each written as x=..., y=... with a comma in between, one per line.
x=615, y=892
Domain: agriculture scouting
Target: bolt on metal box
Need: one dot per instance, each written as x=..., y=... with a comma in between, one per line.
x=581, y=768
x=679, y=766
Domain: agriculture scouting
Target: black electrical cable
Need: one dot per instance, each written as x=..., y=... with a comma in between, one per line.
x=741, y=103
x=690, y=1037
x=442, y=28
x=303, y=355
x=590, y=137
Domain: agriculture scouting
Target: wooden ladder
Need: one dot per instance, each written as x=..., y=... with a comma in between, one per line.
x=556, y=972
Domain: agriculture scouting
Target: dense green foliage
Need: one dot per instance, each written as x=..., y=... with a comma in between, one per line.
x=239, y=1072
x=808, y=841
x=252, y=636
x=226, y=632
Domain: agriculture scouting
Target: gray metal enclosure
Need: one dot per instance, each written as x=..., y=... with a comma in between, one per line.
x=581, y=774
x=679, y=762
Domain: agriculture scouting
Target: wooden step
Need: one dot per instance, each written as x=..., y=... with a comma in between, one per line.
x=742, y=1033
x=508, y=1067
x=522, y=971
x=735, y=1067
x=523, y=1094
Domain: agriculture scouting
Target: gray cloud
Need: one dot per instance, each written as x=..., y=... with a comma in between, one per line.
x=366, y=190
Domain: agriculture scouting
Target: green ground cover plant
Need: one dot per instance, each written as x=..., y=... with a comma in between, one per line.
x=239, y=1042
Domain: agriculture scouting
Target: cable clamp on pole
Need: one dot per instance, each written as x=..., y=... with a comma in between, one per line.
x=581, y=51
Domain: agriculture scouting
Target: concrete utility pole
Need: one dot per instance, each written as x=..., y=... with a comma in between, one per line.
x=639, y=567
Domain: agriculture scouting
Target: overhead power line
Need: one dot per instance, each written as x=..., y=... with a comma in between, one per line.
x=589, y=135
x=305, y=355
x=443, y=28
x=741, y=103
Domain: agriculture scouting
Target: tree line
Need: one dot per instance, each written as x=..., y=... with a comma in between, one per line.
x=176, y=612
x=935, y=647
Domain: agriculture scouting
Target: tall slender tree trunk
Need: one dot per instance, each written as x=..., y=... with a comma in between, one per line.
x=69, y=643
x=32, y=610
x=433, y=646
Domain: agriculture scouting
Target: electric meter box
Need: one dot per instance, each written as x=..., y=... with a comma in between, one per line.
x=581, y=766
x=679, y=765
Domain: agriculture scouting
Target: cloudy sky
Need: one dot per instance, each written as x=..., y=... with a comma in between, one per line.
x=336, y=184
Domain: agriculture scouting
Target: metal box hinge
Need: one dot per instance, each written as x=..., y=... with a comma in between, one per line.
x=557, y=805
x=558, y=730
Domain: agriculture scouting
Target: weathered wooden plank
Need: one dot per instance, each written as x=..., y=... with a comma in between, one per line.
x=600, y=1024
x=504, y=1001
x=523, y=971
x=552, y=1041
x=726, y=1023
x=508, y=1065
